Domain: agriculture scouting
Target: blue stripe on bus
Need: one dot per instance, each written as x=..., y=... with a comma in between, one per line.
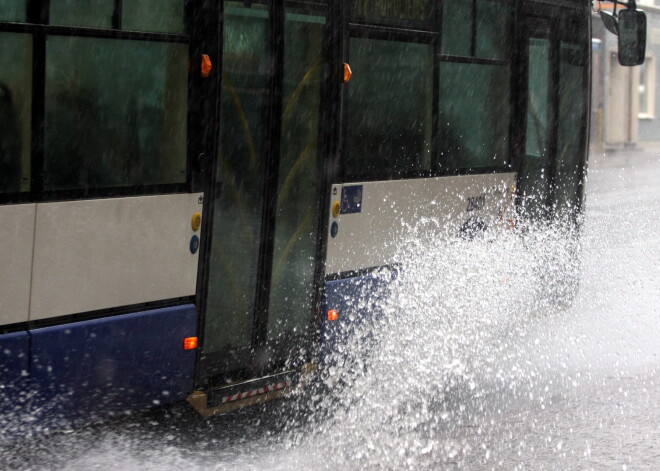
x=358, y=299
x=14, y=367
x=14, y=356
x=86, y=370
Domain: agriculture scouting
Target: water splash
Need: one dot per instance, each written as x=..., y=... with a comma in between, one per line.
x=444, y=345
x=472, y=364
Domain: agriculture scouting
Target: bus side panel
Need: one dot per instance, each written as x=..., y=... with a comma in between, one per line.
x=99, y=254
x=357, y=303
x=16, y=241
x=14, y=367
x=377, y=218
x=86, y=370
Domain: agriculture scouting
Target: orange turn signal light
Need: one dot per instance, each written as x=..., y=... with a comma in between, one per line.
x=190, y=343
x=347, y=73
x=333, y=314
x=207, y=66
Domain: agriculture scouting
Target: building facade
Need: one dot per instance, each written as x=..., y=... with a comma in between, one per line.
x=625, y=101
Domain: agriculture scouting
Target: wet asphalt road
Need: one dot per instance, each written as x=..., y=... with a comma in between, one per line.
x=603, y=354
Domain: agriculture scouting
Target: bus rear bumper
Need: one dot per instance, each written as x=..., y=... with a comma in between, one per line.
x=235, y=396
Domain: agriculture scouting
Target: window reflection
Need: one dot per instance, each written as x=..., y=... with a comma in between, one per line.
x=389, y=131
x=109, y=123
x=478, y=29
x=237, y=219
x=12, y=10
x=87, y=13
x=15, y=111
x=473, y=115
x=164, y=16
x=297, y=206
x=571, y=130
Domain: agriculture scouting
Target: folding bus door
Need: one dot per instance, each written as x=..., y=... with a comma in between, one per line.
x=574, y=44
x=540, y=142
x=261, y=286
x=557, y=121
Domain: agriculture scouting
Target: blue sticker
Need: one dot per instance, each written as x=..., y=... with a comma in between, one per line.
x=194, y=244
x=334, y=228
x=351, y=199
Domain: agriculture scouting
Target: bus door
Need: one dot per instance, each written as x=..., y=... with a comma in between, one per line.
x=552, y=174
x=260, y=293
x=572, y=99
x=540, y=137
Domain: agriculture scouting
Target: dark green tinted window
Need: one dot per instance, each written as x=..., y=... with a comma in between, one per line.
x=390, y=108
x=15, y=111
x=534, y=184
x=138, y=15
x=538, y=106
x=111, y=120
x=457, y=27
x=88, y=13
x=478, y=29
x=12, y=10
x=572, y=116
x=241, y=169
x=492, y=29
x=297, y=206
x=473, y=115
x=153, y=15
x=393, y=12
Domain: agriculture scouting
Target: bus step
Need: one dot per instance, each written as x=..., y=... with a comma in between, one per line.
x=235, y=396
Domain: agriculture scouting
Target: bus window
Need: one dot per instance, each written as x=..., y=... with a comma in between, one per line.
x=536, y=173
x=136, y=15
x=475, y=29
x=415, y=14
x=153, y=15
x=15, y=111
x=12, y=10
x=571, y=129
x=390, y=108
x=492, y=30
x=473, y=115
x=457, y=27
x=114, y=113
x=297, y=207
x=538, y=115
x=88, y=13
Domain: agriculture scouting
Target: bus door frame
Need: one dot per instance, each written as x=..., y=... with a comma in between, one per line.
x=247, y=362
x=545, y=21
x=542, y=27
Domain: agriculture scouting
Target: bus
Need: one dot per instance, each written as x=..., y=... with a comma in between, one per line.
x=193, y=192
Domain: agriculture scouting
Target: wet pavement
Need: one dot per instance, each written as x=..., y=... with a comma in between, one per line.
x=603, y=352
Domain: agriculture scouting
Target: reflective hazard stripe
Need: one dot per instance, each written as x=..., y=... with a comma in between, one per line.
x=255, y=392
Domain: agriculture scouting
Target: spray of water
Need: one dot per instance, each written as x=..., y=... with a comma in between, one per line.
x=473, y=344
x=444, y=344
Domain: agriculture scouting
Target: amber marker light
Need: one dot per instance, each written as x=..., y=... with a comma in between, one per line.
x=207, y=65
x=348, y=73
x=333, y=314
x=190, y=343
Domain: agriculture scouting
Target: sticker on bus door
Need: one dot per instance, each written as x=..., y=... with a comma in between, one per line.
x=351, y=199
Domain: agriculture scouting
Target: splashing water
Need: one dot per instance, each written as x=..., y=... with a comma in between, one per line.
x=474, y=351
x=484, y=355
x=446, y=343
